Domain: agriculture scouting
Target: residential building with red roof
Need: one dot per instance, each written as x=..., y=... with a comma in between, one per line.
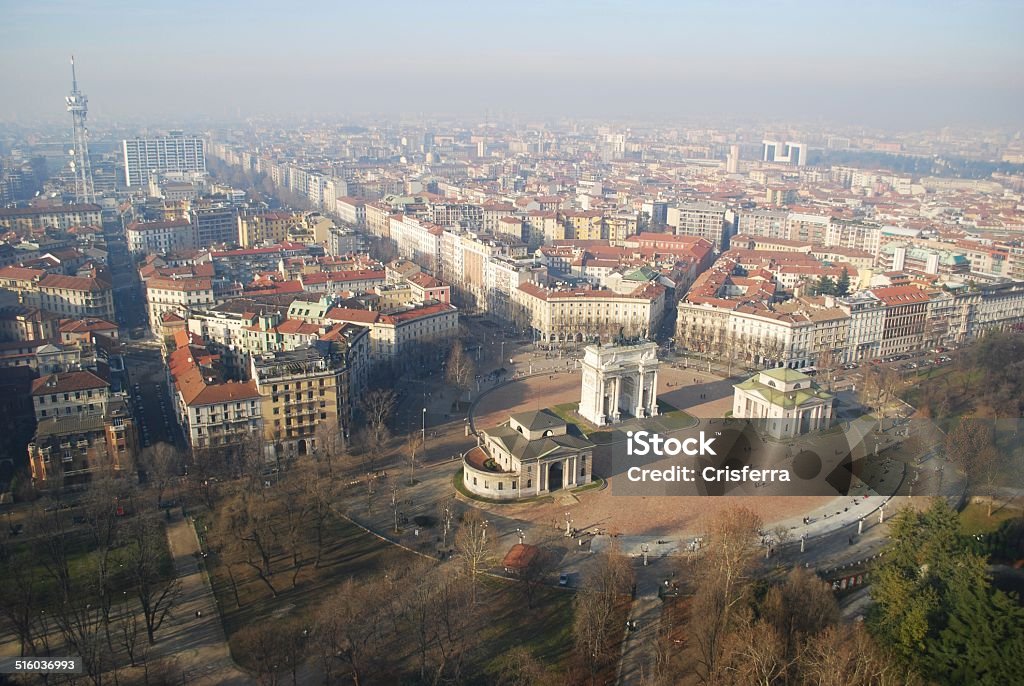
x=213, y=412
x=176, y=295
x=70, y=393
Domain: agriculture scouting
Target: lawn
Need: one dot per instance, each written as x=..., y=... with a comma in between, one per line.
x=82, y=560
x=568, y=412
x=351, y=552
x=974, y=518
x=545, y=630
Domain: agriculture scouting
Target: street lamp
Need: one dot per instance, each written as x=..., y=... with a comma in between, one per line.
x=423, y=430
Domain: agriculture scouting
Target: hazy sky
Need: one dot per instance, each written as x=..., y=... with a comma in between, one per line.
x=896, y=62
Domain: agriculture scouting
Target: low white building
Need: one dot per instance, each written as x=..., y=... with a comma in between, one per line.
x=530, y=454
x=786, y=401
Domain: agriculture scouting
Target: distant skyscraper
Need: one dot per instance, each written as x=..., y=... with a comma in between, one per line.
x=174, y=153
x=784, y=153
x=732, y=160
x=78, y=106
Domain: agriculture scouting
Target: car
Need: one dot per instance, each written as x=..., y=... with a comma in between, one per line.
x=17, y=529
x=563, y=579
x=850, y=365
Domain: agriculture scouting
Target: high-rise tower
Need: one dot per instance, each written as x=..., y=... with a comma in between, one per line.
x=78, y=106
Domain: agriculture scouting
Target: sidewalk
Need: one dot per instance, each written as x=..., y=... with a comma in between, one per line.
x=198, y=642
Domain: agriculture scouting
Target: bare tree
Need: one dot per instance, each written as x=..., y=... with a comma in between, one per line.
x=379, y=404
x=594, y=626
x=251, y=527
x=446, y=515
x=349, y=627
x=20, y=598
x=162, y=463
x=148, y=570
x=317, y=494
x=413, y=448
x=970, y=446
x=82, y=624
x=264, y=642
x=534, y=575
x=127, y=629
x=827, y=362
x=845, y=655
x=519, y=667
x=330, y=445
x=461, y=369
x=724, y=583
x=474, y=547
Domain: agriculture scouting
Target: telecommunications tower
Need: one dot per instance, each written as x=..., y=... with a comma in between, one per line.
x=78, y=106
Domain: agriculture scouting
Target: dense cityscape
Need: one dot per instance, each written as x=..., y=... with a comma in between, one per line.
x=508, y=399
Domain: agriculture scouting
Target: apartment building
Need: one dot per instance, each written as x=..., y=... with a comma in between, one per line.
x=571, y=315
x=214, y=224
x=352, y=211
x=906, y=311
x=157, y=238
x=417, y=240
x=27, y=219
x=584, y=225
x=463, y=259
x=75, y=297
x=212, y=412
x=70, y=393
x=709, y=220
x=176, y=295
x=255, y=228
x=70, y=447
x=300, y=390
x=176, y=152
x=544, y=227
x=407, y=338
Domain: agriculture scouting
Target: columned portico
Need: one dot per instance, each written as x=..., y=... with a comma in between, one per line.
x=619, y=380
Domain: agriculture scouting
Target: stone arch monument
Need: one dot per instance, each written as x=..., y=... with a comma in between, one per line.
x=619, y=381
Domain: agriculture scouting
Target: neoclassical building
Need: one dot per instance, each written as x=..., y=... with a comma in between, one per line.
x=530, y=454
x=786, y=400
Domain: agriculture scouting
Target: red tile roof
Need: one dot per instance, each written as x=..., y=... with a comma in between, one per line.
x=67, y=382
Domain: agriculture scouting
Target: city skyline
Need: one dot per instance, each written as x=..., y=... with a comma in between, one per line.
x=897, y=66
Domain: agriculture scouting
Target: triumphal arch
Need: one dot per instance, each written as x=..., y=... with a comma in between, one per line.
x=619, y=381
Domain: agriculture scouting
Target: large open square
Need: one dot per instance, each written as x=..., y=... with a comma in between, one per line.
x=691, y=390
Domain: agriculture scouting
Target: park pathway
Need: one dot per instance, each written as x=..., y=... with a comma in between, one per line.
x=637, y=663
x=194, y=634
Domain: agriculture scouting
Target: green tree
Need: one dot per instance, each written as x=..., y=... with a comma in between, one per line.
x=983, y=642
x=843, y=284
x=825, y=286
x=936, y=608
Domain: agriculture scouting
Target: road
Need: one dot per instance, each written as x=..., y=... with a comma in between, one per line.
x=150, y=400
